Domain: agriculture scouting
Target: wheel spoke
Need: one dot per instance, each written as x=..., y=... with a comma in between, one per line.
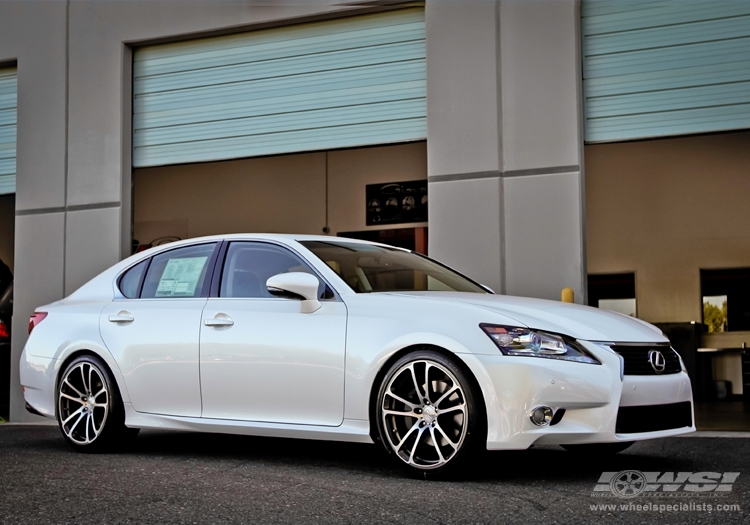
x=88, y=420
x=445, y=395
x=414, y=447
x=73, y=427
x=91, y=385
x=389, y=412
x=453, y=409
x=74, y=414
x=86, y=389
x=451, y=443
x=402, y=400
x=412, y=429
x=76, y=399
x=427, y=381
x=414, y=378
x=100, y=392
x=437, y=445
x=74, y=388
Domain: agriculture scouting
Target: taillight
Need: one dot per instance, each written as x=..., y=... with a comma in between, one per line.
x=4, y=333
x=35, y=319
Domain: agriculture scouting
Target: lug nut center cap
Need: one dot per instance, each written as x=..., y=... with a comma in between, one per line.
x=429, y=413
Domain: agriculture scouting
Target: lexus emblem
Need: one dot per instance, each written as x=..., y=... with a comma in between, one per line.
x=658, y=363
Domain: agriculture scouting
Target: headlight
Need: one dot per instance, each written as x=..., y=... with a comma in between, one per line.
x=513, y=340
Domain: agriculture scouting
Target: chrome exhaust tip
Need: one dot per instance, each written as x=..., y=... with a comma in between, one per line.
x=541, y=416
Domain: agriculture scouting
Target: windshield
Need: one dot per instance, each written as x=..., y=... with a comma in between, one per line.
x=368, y=268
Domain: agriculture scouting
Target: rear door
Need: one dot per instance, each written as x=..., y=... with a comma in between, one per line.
x=154, y=334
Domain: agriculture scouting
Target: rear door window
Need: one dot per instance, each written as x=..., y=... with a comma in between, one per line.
x=178, y=273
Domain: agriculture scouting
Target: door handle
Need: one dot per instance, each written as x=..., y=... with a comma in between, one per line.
x=122, y=317
x=218, y=322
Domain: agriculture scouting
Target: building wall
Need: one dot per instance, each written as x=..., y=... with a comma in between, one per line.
x=664, y=209
x=504, y=144
x=283, y=194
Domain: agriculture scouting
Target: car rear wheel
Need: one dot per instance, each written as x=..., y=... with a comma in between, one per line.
x=429, y=415
x=89, y=410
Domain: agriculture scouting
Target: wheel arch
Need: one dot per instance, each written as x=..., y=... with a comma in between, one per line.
x=73, y=356
x=395, y=356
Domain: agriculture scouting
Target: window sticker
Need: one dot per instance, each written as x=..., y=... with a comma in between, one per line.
x=180, y=277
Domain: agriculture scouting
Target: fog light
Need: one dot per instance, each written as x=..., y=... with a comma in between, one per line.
x=541, y=416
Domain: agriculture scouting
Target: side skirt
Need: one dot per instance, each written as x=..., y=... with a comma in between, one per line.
x=351, y=430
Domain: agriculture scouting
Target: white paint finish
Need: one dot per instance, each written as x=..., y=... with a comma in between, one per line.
x=543, y=235
x=291, y=378
x=655, y=390
x=540, y=100
x=275, y=364
x=39, y=271
x=33, y=34
x=92, y=244
x=462, y=87
x=466, y=230
x=157, y=352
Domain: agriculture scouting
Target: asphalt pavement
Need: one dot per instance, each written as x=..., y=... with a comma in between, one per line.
x=170, y=477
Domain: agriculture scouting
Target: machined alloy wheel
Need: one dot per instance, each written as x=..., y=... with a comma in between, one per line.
x=89, y=409
x=83, y=403
x=426, y=412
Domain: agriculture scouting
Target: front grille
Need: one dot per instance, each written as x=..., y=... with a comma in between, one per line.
x=651, y=418
x=637, y=360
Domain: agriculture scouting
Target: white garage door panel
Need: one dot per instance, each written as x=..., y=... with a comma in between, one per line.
x=665, y=68
x=8, y=129
x=334, y=84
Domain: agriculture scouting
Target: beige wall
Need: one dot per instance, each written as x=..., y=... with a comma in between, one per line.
x=7, y=228
x=665, y=209
x=271, y=194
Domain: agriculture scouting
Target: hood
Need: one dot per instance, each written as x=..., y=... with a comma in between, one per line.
x=580, y=322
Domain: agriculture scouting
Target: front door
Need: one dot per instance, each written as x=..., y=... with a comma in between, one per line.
x=263, y=360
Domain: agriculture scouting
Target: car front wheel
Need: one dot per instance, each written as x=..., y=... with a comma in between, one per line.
x=429, y=415
x=89, y=411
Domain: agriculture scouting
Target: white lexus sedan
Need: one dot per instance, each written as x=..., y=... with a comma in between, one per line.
x=326, y=338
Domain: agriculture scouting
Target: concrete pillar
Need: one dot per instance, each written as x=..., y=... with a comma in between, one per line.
x=505, y=162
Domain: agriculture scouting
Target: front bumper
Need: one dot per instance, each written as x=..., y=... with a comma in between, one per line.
x=590, y=394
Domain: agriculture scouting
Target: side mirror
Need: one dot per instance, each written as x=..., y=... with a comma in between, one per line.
x=301, y=285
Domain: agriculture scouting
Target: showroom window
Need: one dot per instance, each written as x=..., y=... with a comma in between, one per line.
x=178, y=273
x=613, y=291
x=726, y=299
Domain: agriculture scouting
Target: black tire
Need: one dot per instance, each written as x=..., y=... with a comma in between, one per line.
x=598, y=449
x=90, y=412
x=458, y=416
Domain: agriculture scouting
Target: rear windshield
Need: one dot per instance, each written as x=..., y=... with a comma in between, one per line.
x=368, y=268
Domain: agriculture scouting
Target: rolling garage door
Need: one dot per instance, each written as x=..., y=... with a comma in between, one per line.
x=660, y=68
x=341, y=83
x=8, y=112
